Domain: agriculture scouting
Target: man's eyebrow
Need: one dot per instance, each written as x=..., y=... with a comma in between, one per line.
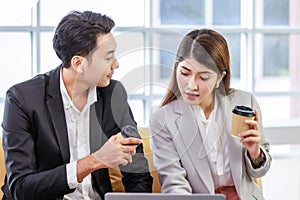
x=110, y=52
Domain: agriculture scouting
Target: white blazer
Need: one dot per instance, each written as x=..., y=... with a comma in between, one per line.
x=176, y=140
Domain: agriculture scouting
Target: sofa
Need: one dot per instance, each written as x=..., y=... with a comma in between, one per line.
x=115, y=174
x=156, y=188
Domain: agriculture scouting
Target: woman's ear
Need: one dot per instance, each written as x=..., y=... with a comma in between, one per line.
x=223, y=74
x=220, y=79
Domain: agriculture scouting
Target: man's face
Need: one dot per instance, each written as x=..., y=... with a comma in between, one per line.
x=102, y=61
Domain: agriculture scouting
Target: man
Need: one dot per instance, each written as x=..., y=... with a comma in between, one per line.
x=61, y=129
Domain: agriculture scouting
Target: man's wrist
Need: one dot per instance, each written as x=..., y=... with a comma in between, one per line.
x=85, y=166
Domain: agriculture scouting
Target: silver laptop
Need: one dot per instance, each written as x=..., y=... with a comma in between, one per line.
x=162, y=196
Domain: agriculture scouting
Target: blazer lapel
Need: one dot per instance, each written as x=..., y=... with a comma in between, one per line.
x=234, y=145
x=97, y=137
x=190, y=135
x=57, y=113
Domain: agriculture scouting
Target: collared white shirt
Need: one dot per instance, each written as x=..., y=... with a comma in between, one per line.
x=213, y=132
x=79, y=143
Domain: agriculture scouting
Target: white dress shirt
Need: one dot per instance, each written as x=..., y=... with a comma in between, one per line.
x=213, y=132
x=79, y=144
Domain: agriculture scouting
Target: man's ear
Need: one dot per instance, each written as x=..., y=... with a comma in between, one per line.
x=77, y=63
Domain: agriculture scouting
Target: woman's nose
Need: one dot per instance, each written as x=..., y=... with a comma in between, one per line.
x=192, y=85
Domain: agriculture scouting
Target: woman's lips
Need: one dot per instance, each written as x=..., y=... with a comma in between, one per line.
x=191, y=95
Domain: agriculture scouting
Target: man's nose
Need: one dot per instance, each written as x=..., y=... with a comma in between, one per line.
x=115, y=64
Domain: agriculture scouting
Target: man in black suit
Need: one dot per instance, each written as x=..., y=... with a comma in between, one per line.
x=61, y=129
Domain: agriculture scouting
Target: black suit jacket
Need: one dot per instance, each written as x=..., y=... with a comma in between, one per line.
x=36, y=145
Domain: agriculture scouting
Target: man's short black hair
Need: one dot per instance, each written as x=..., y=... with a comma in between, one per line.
x=76, y=34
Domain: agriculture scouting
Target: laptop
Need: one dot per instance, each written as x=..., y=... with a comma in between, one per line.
x=162, y=196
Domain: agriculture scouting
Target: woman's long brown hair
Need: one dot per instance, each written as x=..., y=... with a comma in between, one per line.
x=209, y=48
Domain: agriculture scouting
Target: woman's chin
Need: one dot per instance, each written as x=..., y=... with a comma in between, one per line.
x=190, y=101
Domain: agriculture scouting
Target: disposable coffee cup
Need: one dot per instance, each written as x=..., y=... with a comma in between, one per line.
x=239, y=115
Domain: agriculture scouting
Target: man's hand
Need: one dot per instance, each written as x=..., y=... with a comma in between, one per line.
x=117, y=150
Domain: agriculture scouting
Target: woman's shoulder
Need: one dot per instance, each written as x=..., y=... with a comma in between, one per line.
x=165, y=109
x=240, y=97
x=235, y=93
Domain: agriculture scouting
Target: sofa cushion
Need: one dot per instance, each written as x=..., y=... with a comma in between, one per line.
x=2, y=167
x=115, y=174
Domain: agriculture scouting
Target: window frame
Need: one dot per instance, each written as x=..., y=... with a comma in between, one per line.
x=287, y=134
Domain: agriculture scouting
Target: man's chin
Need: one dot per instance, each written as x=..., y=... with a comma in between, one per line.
x=104, y=83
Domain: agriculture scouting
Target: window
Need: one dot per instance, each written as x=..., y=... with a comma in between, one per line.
x=16, y=59
x=178, y=12
x=263, y=38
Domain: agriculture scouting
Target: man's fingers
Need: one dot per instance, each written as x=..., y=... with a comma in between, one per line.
x=130, y=141
x=129, y=149
x=117, y=150
x=125, y=158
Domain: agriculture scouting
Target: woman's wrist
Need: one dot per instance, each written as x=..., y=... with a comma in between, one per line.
x=257, y=161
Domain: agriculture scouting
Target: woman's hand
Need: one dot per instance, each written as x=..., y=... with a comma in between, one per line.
x=251, y=138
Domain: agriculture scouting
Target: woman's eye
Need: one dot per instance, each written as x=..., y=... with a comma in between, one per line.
x=109, y=58
x=204, y=78
x=184, y=72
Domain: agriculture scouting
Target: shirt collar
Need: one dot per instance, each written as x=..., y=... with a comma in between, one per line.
x=200, y=114
x=92, y=95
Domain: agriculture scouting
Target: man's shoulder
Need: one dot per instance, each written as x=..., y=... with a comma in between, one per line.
x=32, y=85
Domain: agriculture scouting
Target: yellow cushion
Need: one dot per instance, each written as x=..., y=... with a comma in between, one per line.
x=2, y=167
x=258, y=182
x=115, y=175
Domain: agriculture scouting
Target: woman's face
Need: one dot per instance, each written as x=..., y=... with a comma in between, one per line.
x=196, y=82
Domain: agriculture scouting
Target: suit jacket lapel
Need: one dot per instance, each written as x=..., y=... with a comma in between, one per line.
x=189, y=132
x=57, y=113
x=234, y=145
x=97, y=137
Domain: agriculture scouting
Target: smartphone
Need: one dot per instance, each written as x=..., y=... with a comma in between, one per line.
x=130, y=131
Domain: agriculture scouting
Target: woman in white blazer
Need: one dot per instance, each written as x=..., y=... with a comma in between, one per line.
x=191, y=140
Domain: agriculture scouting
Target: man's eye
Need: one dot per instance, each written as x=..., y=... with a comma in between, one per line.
x=204, y=78
x=109, y=58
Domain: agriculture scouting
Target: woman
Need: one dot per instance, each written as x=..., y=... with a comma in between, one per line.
x=194, y=151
